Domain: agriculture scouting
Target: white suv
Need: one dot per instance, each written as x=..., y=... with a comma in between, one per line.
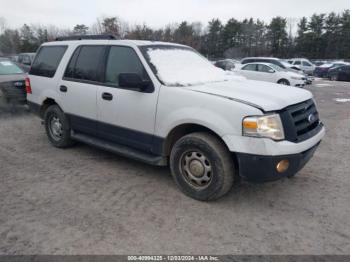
x=164, y=103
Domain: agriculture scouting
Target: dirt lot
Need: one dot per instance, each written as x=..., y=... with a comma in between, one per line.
x=84, y=200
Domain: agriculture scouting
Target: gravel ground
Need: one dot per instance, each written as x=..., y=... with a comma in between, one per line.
x=86, y=201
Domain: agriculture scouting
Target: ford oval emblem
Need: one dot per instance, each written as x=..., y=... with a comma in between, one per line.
x=311, y=118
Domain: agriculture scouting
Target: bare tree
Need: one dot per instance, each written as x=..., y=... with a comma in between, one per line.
x=2, y=24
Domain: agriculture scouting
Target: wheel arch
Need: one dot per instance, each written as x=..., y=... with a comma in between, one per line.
x=184, y=129
x=283, y=79
x=48, y=101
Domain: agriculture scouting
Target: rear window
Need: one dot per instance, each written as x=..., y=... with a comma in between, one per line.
x=47, y=60
x=86, y=64
x=9, y=68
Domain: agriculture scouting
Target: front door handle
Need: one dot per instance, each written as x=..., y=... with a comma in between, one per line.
x=107, y=96
x=63, y=89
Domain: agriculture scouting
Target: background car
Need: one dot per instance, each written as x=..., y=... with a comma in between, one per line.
x=303, y=64
x=270, y=60
x=278, y=62
x=322, y=71
x=25, y=60
x=271, y=73
x=12, y=82
x=340, y=73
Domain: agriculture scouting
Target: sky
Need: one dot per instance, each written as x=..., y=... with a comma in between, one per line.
x=157, y=13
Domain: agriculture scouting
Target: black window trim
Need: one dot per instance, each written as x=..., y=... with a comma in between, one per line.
x=103, y=68
x=37, y=55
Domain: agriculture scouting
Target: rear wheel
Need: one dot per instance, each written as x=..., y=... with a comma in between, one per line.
x=283, y=82
x=57, y=127
x=202, y=166
x=334, y=78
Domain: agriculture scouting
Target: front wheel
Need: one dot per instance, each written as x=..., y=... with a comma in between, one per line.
x=202, y=166
x=57, y=127
x=283, y=82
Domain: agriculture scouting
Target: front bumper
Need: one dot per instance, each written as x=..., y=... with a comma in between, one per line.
x=259, y=168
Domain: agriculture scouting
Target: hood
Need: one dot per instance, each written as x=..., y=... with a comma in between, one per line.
x=295, y=74
x=263, y=95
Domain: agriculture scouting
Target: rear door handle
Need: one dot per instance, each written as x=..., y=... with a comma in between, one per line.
x=107, y=96
x=63, y=89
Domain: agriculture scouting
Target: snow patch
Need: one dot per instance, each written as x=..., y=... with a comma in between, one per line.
x=342, y=100
x=323, y=85
x=184, y=67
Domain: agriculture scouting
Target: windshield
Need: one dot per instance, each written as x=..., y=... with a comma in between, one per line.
x=286, y=64
x=182, y=66
x=9, y=68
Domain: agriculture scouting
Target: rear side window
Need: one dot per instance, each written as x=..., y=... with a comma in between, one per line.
x=86, y=64
x=264, y=69
x=251, y=67
x=47, y=60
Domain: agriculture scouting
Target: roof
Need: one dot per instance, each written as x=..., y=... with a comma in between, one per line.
x=111, y=42
x=260, y=63
x=271, y=58
x=292, y=59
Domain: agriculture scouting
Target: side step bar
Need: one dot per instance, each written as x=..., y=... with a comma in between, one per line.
x=121, y=150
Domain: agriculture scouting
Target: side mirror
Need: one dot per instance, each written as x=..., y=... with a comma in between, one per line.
x=135, y=82
x=271, y=71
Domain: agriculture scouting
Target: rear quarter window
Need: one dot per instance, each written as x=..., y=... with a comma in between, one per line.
x=47, y=60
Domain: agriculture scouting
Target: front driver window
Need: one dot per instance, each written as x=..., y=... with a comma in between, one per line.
x=123, y=60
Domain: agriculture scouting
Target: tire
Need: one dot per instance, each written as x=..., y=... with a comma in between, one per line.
x=3, y=99
x=283, y=82
x=202, y=166
x=57, y=127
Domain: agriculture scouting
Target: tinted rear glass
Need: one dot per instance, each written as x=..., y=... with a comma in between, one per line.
x=86, y=63
x=47, y=60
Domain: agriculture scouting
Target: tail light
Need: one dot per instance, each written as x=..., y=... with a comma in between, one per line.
x=28, y=87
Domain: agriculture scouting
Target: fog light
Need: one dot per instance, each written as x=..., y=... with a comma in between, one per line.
x=282, y=166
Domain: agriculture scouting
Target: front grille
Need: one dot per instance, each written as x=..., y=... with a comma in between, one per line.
x=300, y=121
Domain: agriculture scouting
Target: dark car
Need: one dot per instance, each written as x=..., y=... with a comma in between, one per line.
x=322, y=71
x=25, y=61
x=226, y=64
x=12, y=82
x=340, y=73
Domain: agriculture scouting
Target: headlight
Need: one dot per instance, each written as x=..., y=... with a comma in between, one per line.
x=269, y=126
x=297, y=78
